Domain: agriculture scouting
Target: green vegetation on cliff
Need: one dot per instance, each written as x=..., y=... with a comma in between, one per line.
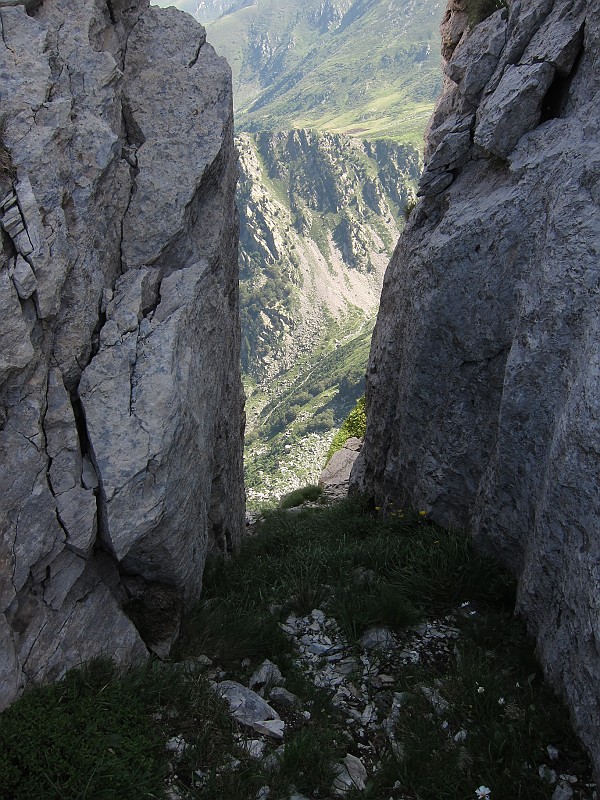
x=355, y=425
x=290, y=432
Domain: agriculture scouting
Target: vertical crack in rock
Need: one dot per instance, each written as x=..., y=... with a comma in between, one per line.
x=111, y=12
x=201, y=44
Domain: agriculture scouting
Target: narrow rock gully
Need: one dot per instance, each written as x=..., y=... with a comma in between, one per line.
x=364, y=655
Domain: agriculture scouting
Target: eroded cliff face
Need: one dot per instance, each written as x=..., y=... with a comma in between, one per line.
x=482, y=393
x=120, y=395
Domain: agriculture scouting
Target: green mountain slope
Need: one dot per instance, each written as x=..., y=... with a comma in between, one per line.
x=291, y=425
x=332, y=98
x=368, y=68
x=320, y=216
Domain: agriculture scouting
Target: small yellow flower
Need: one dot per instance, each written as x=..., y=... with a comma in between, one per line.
x=377, y=508
x=422, y=513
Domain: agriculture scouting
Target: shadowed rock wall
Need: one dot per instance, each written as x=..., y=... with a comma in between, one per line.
x=120, y=395
x=483, y=384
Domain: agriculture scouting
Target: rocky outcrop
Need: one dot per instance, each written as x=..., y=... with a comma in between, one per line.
x=483, y=381
x=335, y=476
x=120, y=396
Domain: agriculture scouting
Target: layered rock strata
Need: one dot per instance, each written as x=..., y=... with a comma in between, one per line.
x=120, y=394
x=483, y=381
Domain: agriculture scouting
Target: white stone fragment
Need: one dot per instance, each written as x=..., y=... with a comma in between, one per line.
x=563, y=791
x=351, y=774
x=377, y=639
x=267, y=674
x=270, y=727
x=176, y=745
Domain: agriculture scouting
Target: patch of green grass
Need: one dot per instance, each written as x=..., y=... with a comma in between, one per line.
x=96, y=735
x=410, y=206
x=100, y=735
x=293, y=499
x=308, y=760
x=494, y=731
x=355, y=424
x=85, y=737
x=230, y=630
x=356, y=610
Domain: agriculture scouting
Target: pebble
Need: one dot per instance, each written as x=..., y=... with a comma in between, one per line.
x=176, y=745
x=255, y=748
x=270, y=727
x=377, y=639
x=438, y=703
x=547, y=774
x=562, y=792
x=351, y=774
x=267, y=673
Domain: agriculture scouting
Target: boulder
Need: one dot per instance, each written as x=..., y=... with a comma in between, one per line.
x=334, y=478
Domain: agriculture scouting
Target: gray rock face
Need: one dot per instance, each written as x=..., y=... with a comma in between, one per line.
x=482, y=392
x=335, y=476
x=120, y=396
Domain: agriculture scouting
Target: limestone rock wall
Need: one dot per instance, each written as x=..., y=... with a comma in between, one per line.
x=483, y=384
x=121, y=407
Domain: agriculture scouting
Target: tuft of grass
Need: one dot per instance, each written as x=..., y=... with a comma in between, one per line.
x=293, y=499
x=355, y=425
x=357, y=610
x=410, y=206
x=308, y=760
x=85, y=737
x=231, y=630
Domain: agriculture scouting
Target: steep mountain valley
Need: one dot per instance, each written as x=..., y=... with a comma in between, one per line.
x=331, y=102
x=427, y=626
